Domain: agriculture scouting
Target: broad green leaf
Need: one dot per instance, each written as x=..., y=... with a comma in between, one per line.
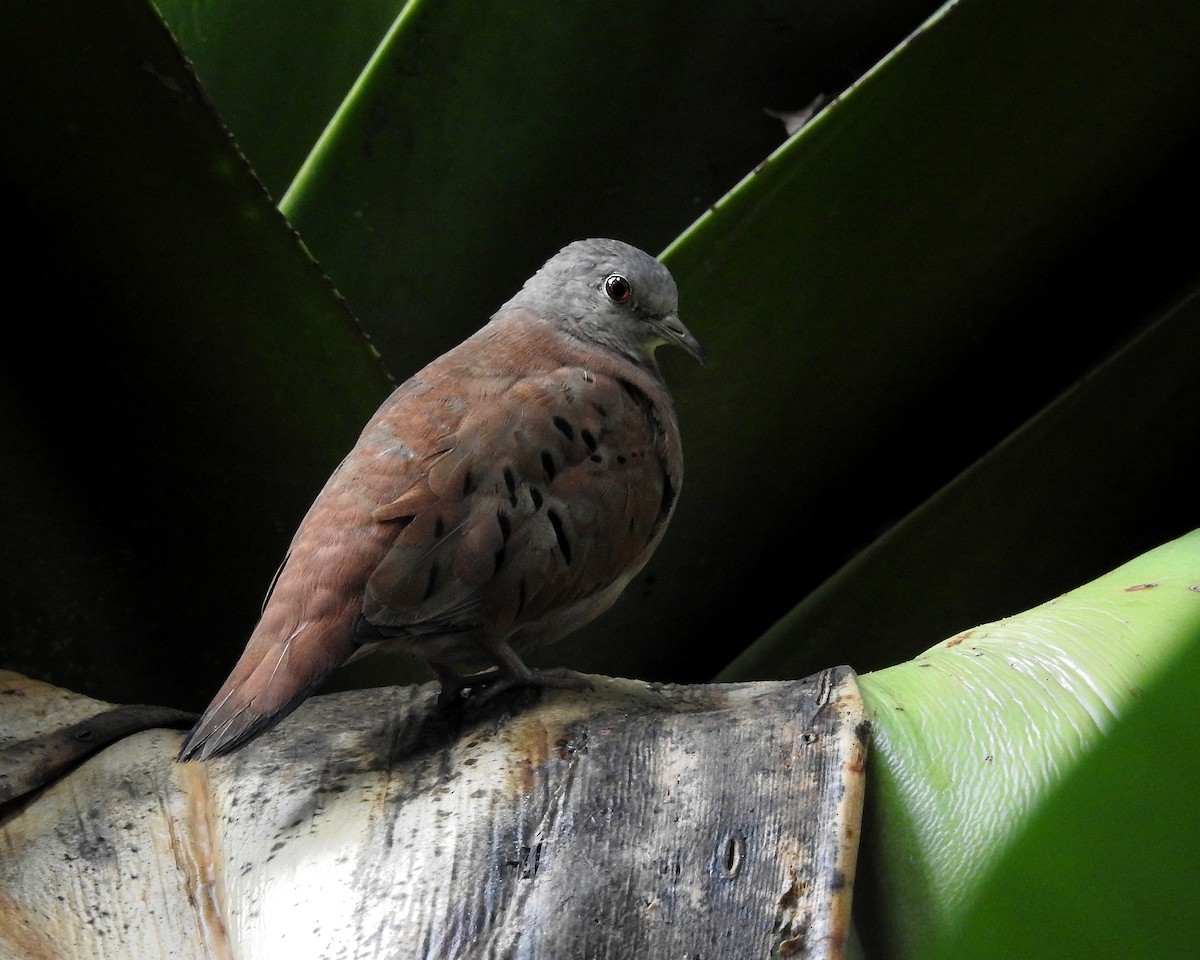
x=969, y=738
x=1107, y=867
x=1112, y=462
x=483, y=136
x=896, y=290
x=277, y=70
x=181, y=377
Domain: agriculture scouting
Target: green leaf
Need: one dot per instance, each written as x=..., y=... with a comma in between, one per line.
x=184, y=375
x=902, y=288
x=969, y=738
x=1110, y=463
x=483, y=136
x=1107, y=867
x=277, y=70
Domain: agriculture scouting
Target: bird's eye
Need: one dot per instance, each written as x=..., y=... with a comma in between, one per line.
x=617, y=288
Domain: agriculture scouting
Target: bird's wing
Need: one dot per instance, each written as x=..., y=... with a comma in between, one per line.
x=551, y=491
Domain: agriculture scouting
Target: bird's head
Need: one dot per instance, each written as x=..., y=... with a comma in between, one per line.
x=610, y=293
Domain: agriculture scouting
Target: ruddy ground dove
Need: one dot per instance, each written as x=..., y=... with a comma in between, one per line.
x=498, y=500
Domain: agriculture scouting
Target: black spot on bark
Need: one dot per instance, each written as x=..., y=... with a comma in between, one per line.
x=589, y=440
x=548, y=465
x=535, y=495
x=505, y=525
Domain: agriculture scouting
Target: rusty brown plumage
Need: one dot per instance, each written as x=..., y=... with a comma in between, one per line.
x=498, y=500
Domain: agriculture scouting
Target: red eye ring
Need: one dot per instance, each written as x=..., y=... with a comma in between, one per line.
x=617, y=288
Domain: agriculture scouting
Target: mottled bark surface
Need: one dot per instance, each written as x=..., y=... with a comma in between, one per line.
x=637, y=820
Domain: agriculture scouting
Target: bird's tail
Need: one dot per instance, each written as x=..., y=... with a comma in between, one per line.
x=272, y=678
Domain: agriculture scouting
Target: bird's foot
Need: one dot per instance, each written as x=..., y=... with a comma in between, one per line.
x=483, y=686
x=559, y=678
x=456, y=687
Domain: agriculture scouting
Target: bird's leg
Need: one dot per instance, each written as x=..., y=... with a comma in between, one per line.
x=511, y=671
x=455, y=685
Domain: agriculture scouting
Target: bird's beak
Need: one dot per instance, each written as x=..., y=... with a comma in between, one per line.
x=673, y=331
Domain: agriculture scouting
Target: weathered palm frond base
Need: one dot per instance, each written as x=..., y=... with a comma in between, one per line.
x=44, y=730
x=637, y=820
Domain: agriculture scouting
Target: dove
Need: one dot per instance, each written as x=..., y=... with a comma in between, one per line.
x=498, y=500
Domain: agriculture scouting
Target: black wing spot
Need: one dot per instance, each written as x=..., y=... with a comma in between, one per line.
x=432, y=584
x=620, y=458
x=510, y=482
x=535, y=495
x=596, y=458
x=668, y=496
x=636, y=392
x=599, y=409
x=548, y=465
x=564, y=427
x=468, y=484
x=589, y=440
x=505, y=524
x=560, y=534
x=642, y=399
